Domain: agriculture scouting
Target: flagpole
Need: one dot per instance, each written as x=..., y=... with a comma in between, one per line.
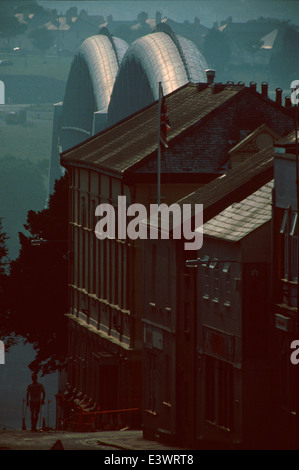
x=159, y=150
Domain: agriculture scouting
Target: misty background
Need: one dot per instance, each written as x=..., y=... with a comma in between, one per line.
x=208, y=11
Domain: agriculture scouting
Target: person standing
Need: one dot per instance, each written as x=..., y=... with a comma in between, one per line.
x=35, y=397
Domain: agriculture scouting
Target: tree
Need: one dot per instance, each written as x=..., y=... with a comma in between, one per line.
x=142, y=17
x=5, y=333
x=37, y=286
x=283, y=64
x=216, y=50
x=9, y=24
x=42, y=39
x=22, y=187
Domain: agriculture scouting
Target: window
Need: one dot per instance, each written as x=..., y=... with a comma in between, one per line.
x=153, y=273
x=219, y=392
x=187, y=303
x=284, y=222
x=227, y=284
x=206, y=276
x=152, y=382
x=214, y=267
x=289, y=232
x=83, y=211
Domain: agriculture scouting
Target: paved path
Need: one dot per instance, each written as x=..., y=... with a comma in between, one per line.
x=108, y=440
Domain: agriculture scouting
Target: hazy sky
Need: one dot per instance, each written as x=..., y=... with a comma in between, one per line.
x=207, y=10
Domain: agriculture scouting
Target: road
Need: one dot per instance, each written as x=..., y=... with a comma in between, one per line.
x=106, y=440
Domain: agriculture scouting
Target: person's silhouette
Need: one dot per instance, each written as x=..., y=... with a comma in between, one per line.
x=35, y=396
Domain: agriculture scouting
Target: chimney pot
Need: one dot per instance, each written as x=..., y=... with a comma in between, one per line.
x=210, y=74
x=252, y=85
x=265, y=89
x=278, y=95
x=287, y=102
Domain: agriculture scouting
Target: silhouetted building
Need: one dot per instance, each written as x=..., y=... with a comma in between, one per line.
x=175, y=313
x=285, y=284
x=106, y=285
x=233, y=321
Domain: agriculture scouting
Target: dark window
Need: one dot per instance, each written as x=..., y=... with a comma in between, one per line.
x=152, y=382
x=219, y=392
x=289, y=232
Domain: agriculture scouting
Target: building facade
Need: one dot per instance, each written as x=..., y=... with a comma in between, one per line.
x=106, y=283
x=234, y=354
x=172, y=312
x=285, y=284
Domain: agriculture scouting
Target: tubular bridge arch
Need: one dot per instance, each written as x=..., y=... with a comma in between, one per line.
x=89, y=87
x=159, y=56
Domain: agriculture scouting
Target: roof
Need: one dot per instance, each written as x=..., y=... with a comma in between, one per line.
x=122, y=148
x=268, y=40
x=128, y=142
x=289, y=140
x=240, y=219
x=257, y=139
x=234, y=186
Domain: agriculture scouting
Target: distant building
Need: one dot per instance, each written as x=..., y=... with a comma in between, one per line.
x=246, y=39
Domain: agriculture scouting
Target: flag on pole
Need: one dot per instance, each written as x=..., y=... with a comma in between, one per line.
x=164, y=122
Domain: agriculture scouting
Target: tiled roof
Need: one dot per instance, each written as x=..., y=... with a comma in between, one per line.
x=290, y=139
x=237, y=184
x=240, y=219
x=128, y=142
x=132, y=143
x=263, y=128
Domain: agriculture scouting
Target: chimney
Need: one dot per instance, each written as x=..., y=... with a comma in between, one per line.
x=158, y=18
x=287, y=102
x=217, y=87
x=265, y=89
x=252, y=85
x=278, y=95
x=210, y=74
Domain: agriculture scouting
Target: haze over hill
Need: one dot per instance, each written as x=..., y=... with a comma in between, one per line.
x=208, y=11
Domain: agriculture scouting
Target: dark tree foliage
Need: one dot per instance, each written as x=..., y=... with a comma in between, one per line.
x=216, y=50
x=38, y=279
x=25, y=181
x=5, y=335
x=41, y=38
x=284, y=60
x=9, y=24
